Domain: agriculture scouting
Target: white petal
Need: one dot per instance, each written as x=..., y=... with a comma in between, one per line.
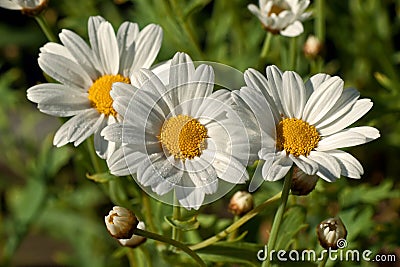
x=349, y=165
x=103, y=147
x=293, y=93
x=315, y=82
x=182, y=70
x=57, y=49
x=342, y=106
x=307, y=165
x=293, y=30
x=268, y=161
x=203, y=175
x=124, y=161
x=108, y=48
x=147, y=45
x=8, y=4
x=58, y=100
x=274, y=77
x=64, y=70
x=322, y=100
x=78, y=128
x=279, y=167
x=328, y=167
x=190, y=198
x=126, y=36
x=348, y=138
x=359, y=109
x=81, y=52
x=93, y=27
x=227, y=167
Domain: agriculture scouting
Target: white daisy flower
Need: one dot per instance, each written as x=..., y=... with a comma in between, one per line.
x=308, y=123
x=281, y=16
x=86, y=75
x=179, y=137
x=30, y=7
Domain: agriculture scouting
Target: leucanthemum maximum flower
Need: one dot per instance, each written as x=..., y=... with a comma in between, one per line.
x=307, y=123
x=86, y=75
x=281, y=16
x=179, y=136
x=29, y=7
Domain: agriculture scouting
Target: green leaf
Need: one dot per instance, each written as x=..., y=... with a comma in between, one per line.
x=236, y=252
x=104, y=177
x=25, y=202
x=183, y=225
x=367, y=194
x=194, y=7
x=293, y=222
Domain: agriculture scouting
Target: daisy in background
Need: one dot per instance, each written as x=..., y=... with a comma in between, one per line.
x=86, y=75
x=179, y=136
x=309, y=122
x=29, y=7
x=281, y=16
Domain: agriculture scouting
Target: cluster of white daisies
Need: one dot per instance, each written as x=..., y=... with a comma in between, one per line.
x=167, y=126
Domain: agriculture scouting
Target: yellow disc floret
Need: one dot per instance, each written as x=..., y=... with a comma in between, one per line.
x=183, y=136
x=99, y=93
x=296, y=137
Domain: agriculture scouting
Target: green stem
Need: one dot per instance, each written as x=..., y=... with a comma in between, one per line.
x=293, y=53
x=320, y=20
x=147, y=211
x=187, y=28
x=234, y=234
x=324, y=261
x=279, y=216
x=236, y=224
x=176, y=215
x=172, y=242
x=266, y=46
x=93, y=155
x=45, y=28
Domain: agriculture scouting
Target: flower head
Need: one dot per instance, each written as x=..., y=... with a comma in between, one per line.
x=86, y=75
x=307, y=123
x=28, y=7
x=281, y=16
x=179, y=137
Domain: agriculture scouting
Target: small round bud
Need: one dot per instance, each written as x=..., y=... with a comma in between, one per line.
x=332, y=233
x=241, y=202
x=135, y=240
x=121, y=222
x=302, y=183
x=312, y=47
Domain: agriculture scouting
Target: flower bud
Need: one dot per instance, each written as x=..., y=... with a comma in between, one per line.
x=302, y=183
x=135, y=240
x=312, y=47
x=121, y=222
x=27, y=7
x=332, y=233
x=241, y=202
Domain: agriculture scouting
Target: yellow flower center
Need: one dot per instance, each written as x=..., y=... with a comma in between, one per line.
x=296, y=137
x=183, y=136
x=99, y=93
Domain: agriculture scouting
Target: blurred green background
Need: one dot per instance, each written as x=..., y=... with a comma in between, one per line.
x=52, y=215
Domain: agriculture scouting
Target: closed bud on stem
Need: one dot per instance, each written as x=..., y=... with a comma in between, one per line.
x=332, y=233
x=302, y=183
x=121, y=222
x=312, y=47
x=135, y=240
x=241, y=202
